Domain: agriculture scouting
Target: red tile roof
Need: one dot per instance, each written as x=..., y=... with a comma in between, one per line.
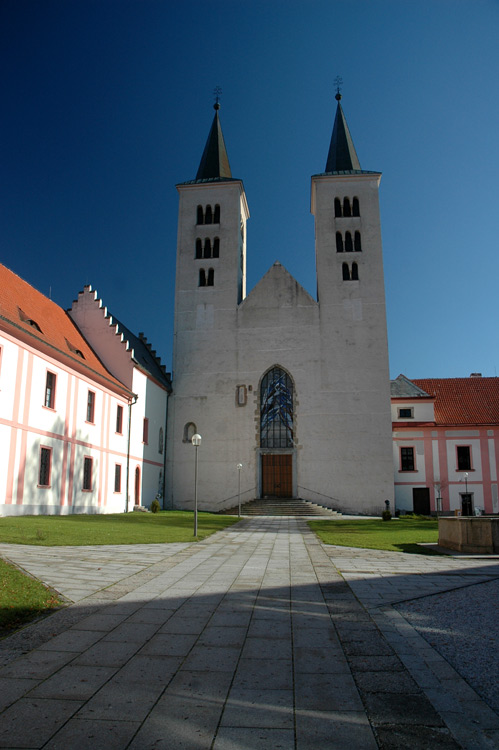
x=26, y=310
x=470, y=401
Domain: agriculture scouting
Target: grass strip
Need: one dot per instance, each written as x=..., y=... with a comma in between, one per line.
x=401, y=535
x=22, y=598
x=112, y=528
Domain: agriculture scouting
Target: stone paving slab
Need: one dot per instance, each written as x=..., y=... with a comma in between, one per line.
x=259, y=636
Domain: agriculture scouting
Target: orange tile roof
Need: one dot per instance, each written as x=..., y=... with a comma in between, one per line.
x=470, y=401
x=24, y=308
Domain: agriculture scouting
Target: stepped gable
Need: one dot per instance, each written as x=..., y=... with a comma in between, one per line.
x=41, y=323
x=89, y=312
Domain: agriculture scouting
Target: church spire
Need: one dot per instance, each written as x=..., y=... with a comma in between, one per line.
x=214, y=162
x=342, y=156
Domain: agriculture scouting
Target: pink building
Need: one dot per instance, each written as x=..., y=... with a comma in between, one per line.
x=81, y=416
x=446, y=444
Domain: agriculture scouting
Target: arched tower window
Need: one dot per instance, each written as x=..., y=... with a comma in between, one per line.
x=355, y=207
x=216, y=215
x=208, y=215
x=355, y=272
x=211, y=277
x=339, y=242
x=199, y=249
x=207, y=248
x=200, y=219
x=357, y=245
x=216, y=247
x=346, y=272
x=202, y=277
x=190, y=429
x=348, y=242
x=337, y=207
x=276, y=410
x=347, y=211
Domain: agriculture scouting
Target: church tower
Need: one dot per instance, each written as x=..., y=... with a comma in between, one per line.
x=210, y=283
x=351, y=296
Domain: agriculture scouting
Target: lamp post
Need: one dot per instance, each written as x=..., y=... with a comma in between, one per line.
x=196, y=441
x=239, y=467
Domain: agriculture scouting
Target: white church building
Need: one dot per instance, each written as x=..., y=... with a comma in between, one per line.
x=295, y=389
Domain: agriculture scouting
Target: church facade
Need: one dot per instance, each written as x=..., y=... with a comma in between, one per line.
x=290, y=394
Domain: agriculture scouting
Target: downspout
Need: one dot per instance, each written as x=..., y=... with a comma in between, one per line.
x=164, y=451
x=132, y=401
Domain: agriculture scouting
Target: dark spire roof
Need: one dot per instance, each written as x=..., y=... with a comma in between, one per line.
x=214, y=162
x=342, y=156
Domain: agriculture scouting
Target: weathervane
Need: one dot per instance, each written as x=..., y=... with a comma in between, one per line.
x=338, y=82
x=216, y=93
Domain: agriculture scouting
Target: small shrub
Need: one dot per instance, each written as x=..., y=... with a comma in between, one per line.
x=386, y=515
x=155, y=506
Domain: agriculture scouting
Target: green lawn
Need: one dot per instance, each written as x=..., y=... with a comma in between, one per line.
x=21, y=599
x=112, y=528
x=400, y=535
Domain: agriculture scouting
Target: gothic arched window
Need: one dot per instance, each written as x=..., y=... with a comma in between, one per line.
x=276, y=410
x=357, y=245
x=339, y=242
x=347, y=211
x=199, y=249
x=208, y=215
x=211, y=277
x=355, y=207
x=207, y=248
x=346, y=272
x=216, y=247
x=337, y=207
x=348, y=243
x=216, y=215
x=355, y=272
x=200, y=217
x=202, y=277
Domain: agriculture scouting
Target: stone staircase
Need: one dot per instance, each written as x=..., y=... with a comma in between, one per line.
x=279, y=506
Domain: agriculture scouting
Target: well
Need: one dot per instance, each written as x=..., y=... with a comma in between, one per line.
x=475, y=534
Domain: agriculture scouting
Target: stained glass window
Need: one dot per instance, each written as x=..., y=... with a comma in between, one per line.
x=276, y=411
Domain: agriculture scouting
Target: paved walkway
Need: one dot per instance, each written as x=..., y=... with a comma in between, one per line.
x=258, y=637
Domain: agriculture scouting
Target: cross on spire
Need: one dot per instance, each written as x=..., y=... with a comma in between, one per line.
x=217, y=91
x=338, y=82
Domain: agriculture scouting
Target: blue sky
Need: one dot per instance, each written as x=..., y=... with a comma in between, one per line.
x=107, y=105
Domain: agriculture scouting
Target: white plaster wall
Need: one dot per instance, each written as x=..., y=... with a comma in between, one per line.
x=54, y=429
x=424, y=411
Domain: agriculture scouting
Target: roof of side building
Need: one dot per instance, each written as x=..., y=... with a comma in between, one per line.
x=46, y=326
x=470, y=401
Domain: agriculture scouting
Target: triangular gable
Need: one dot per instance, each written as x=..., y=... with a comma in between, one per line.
x=278, y=288
x=402, y=387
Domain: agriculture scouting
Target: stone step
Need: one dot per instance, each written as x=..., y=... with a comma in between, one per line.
x=282, y=507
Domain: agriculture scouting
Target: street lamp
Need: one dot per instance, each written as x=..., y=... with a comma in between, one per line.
x=239, y=467
x=196, y=441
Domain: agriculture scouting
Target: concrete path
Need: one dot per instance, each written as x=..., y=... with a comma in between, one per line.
x=258, y=637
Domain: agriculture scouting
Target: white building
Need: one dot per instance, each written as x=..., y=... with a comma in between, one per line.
x=446, y=444
x=82, y=417
x=296, y=389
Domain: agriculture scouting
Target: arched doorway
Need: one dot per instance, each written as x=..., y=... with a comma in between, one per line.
x=276, y=433
x=137, y=486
